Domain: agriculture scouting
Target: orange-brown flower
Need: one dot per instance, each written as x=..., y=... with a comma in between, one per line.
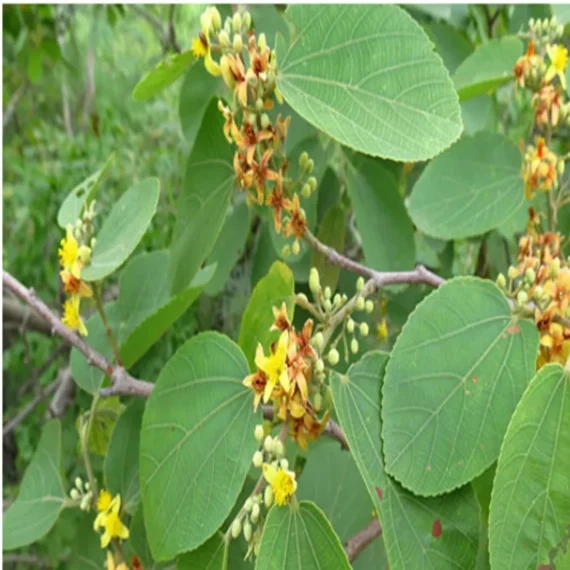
x=526, y=64
x=261, y=173
x=250, y=138
x=244, y=173
x=547, y=105
x=239, y=72
x=257, y=382
x=539, y=169
x=276, y=200
x=308, y=428
x=303, y=340
x=282, y=322
x=297, y=223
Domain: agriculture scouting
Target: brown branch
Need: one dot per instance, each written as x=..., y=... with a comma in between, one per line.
x=14, y=312
x=121, y=381
x=355, y=545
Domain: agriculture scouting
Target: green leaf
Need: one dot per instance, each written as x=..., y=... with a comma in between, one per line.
x=163, y=75
x=355, y=71
x=82, y=195
x=470, y=189
x=41, y=495
x=277, y=287
x=204, y=200
x=264, y=255
x=530, y=504
x=210, y=556
x=229, y=247
x=332, y=232
x=456, y=374
x=489, y=67
x=123, y=228
x=331, y=480
x=300, y=538
x=522, y=13
x=103, y=424
x=450, y=43
x=381, y=216
x=139, y=543
x=329, y=193
x=122, y=460
x=479, y=114
x=483, y=486
x=410, y=524
x=86, y=552
x=197, y=412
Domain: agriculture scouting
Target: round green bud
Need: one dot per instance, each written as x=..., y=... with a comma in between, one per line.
x=354, y=346
x=238, y=43
x=328, y=397
x=538, y=293
x=284, y=464
x=228, y=26
x=247, y=531
x=310, y=166
x=312, y=182
x=337, y=300
x=327, y=305
x=555, y=268
x=257, y=459
x=79, y=483
x=314, y=280
x=85, y=501
x=87, y=486
x=318, y=402
x=248, y=505
x=560, y=167
x=522, y=297
x=344, y=298
x=224, y=39
x=268, y=444
x=501, y=281
x=286, y=251
x=333, y=356
x=278, y=448
x=318, y=340
x=93, y=242
x=320, y=365
x=259, y=432
x=261, y=42
x=236, y=22
x=327, y=292
x=255, y=513
x=350, y=326
x=74, y=494
x=359, y=305
x=364, y=329
x=265, y=120
x=268, y=496
x=369, y=306
x=302, y=297
x=295, y=248
x=512, y=273
x=530, y=275
x=306, y=191
x=360, y=284
x=216, y=18
x=246, y=20
x=303, y=159
x=236, y=528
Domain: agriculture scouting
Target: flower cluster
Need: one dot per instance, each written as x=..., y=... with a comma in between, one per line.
x=543, y=276
x=74, y=254
x=109, y=519
x=83, y=493
x=540, y=168
x=248, y=67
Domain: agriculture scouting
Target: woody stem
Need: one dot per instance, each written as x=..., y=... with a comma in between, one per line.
x=97, y=290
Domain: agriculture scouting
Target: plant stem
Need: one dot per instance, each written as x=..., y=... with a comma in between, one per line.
x=97, y=295
x=84, y=433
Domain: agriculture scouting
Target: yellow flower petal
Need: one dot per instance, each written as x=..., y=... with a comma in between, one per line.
x=104, y=500
x=269, y=472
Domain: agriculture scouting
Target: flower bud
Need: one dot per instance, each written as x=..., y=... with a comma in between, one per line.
x=350, y=326
x=310, y=165
x=284, y=464
x=268, y=496
x=237, y=43
x=261, y=42
x=286, y=251
x=354, y=346
x=216, y=18
x=236, y=528
x=327, y=292
x=359, y=305
x=79, y=483
x=248, y=505
x=364, y=329
x=318, y=402
x=257, y=459
x=501, y=281
x=224, y=39
x=236, y=22
x=206, y=22
x=337, y=300
x=246, y=20
x=312, y=182
x=211, y=66
x=333, y=356
x=302, y=297
x=258, y=432
x=555, y=268
x=360, y=284
x=74, y=494
x=512, y=273
x=560, y=31
x=530, y=275
x=85, y=502
x=303, y=159
x=278, y=448
x=314, y=281
x=327, y=305
x=538, y=293
x=328, y=397
x=295, y=248
x=226, y=70
x=560, y=167
x=93, y=242
x=255, y=513
x=87, y=486
x=265, y=120
x=247, y=531
x=344, y=298
x=228, y=26
x=268, y=444
x=369, y=306
x=319, y=365
x=318, y=340
x=522, y=297
x=306, y=191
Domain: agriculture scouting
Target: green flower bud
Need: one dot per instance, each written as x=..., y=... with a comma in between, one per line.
x=259, y=432
x=354, y=346
x=74, y=494
x=344, y=298
x=224, y=39
x=337, y=300
x=302, y=297
x=257, y=459
x=512, y=273
x=369, y=306
x=364, y=329
x=238, y=43
x=236, y=528
x=310, y=165
x=555, y=268
x=333, y=356
x=327, y=292
x=560, y=167
x=538, y=293
x=278, y=448
x=246, y=20
x=327, y=305
x=360, y=284
x=255, y=513
x=522, y=297
x=318, y=402
x=87, y=486
x=261, y=42
x=236, y=22
x=306, y=191
x=215, y=18
x=530, y=275
x=248, y=505
x=228, y=26
x=286, y=251
x=284, y=464
x=318, y=340
x=501, y=281
x=259, y=105
x=265, y=120
x=314, y=280
x=359, y=305
x=328, y=397
x=247, y=531
x=295, y=248
x=93, y=242
x=268, y=444
x=350, y=326
x=312, y=182
x=79, y=483
x=319, y=366
x=85, y=502
x=268, y=496
x=303, y=159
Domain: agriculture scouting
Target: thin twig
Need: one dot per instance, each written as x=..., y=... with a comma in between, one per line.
x=355, y=545
x=38, y=372
x=106, y=325
x=25, y=559
x=10, y=110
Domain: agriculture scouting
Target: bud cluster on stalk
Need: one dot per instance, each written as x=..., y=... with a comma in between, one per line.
x=82, y=493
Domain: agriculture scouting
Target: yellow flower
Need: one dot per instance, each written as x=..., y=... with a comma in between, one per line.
x=198, y=47
x=382, y=330
x=111, y=563
x=274, y=366
x=109, y=519
x=72, y=256
x=73, y=285
x=558, y=56
x=104, y=501
x=71, y=316
x=282, y=482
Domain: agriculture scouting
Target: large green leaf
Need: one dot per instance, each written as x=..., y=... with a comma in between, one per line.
x=81, y=195
x=198, y=411
x=472, y=188
x=86, y=552
x=450, y=43
x=381, y=216
x=139, y=543
x=332, y=232
x=41, y=495
x=530, y=503
x=440, y=532
x=123, y=228
x=368, y=77
x=455, y=376
x=228, y=247
x=204, y=200
x=300, y=538
x=122, y=460
x=211, y=556
x=163, y=75
x=488, y=67
x=143, y=312
x=277, y=287
x=331, y=480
